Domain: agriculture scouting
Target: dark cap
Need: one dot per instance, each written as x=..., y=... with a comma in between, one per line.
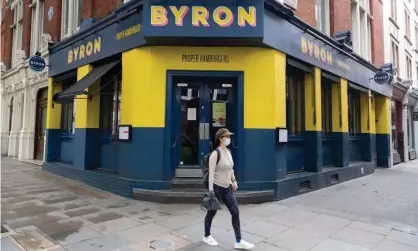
x=222, y=133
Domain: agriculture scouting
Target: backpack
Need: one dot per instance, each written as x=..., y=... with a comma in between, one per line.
x=205, y=166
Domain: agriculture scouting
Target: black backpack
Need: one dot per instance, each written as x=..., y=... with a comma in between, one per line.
x=205, y=166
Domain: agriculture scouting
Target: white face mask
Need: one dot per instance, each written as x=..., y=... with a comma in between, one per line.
x=227, y=141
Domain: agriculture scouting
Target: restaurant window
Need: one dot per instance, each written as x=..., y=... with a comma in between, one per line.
x=295, y=81
x=354, y=112
x=394, y=132
x=110, y=100
x=67, y=118
x=326, y=107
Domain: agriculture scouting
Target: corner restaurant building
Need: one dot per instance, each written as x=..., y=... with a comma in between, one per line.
x=135, y=99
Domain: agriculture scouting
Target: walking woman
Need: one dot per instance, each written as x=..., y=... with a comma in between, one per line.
x=222, y=183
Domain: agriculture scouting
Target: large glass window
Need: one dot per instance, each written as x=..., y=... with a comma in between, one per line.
x=67, y=118
x=322, y=15
x=71, y=16
x=354, y=112
x=326, y=107
x=110, y=98
x=295, y=81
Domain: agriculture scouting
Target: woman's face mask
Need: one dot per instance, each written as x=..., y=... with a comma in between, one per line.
x=227, y=141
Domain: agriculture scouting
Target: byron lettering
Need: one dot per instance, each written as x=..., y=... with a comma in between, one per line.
x=222, y=16
x=311, y=49
x=85, y=50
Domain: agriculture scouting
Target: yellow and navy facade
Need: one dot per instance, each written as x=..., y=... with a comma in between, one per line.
x=250, y=41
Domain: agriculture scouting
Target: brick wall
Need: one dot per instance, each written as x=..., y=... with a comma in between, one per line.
x=340, y=15
x=376, y=7
x=306, y=11
x=27, y=20
x=99, y=9
x=53, y=27
x=6, y=36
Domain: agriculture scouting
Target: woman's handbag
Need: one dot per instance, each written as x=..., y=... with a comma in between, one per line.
x=210, y=202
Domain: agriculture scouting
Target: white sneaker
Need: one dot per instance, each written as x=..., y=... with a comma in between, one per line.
x=243, y=245
x=210, y=241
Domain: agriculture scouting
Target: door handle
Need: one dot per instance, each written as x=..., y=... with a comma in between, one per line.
x=174, y=143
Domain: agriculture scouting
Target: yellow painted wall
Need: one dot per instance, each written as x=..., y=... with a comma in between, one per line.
x=340, y=107
x=313, y=108
x=87, y=114
x=53, y=113
x=382, y=107
x=372, y=113
x=368, y=123
x=145, y=69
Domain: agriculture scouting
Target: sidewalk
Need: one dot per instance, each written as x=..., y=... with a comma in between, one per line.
x=46, y=212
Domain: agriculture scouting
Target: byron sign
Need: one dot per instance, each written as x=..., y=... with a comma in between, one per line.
x=176, y=18
x=36, y=63
x=382, y=77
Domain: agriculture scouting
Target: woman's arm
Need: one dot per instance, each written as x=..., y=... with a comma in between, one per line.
x=212, y=167
x=233, y=177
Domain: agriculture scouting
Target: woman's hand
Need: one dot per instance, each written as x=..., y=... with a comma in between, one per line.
x=234, y=186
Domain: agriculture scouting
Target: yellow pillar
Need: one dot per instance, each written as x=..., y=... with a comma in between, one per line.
x=53, y=123
x=87, y=119
x=367, y=126
x=382, y=107
x=340, y=123
x=313, y=121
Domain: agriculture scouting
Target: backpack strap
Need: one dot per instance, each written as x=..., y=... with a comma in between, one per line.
x=219, y=155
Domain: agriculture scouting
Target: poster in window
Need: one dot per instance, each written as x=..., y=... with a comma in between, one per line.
x=218, y=114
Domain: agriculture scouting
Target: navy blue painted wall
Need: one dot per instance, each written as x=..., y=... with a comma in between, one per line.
x=109, y=154
x=341, y=151
x=281, y=160
x=86, y=148
x=66, y=149
x=142, y=158
x=295, y=155
x=327, y=152
x=355, y=149
x=383, y=155
x=53, y=145
x=313, y=151
x=368, y=147
x=259, y=155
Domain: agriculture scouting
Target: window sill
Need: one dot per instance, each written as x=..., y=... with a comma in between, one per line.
x=64, y=135
x=394, y=23
x=353, y=138
x=295, y=139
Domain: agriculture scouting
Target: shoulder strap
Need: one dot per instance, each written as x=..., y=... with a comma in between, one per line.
x=219, y=155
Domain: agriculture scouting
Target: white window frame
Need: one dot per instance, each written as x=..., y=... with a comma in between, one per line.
x=70, y=16
x=37, y=25
x=17, y=26
x=361, y=28
x=322, y=16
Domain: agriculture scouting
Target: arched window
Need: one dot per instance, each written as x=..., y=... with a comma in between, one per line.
x=10, y=115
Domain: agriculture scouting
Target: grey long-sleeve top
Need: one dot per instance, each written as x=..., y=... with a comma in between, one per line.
x=222, y=173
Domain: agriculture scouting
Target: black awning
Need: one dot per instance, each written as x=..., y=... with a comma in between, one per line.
x=80, y=87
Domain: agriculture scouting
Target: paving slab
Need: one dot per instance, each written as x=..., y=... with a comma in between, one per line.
x=101, y=243
x=116, y=225
x=336, y=245
x=8, y=245
x=194, y=233
x=81, y=211
x=33, y=240
x=203, y=247
x=293, y=241
x=264, y=228
x=406, y=238
x=36, y=219
x=144, y=232
x=388, y=245
x=359, y=237
x=263, y=246
x=227, y=239
x=371, y=228
x=292, y=217
x=27, y=211
x=225, y=221
x=67, y=225
x=179, y=221
x=74, y=236
x=102, y=217
x=177, y=243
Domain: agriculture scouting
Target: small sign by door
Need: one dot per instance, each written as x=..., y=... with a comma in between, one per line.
x=415, y=116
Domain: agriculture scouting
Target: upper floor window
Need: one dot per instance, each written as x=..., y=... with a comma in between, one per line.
x=407, y=24
x=37, y=25
x=395, y=55
x=361, y=28
x=322, y=15
x=17, y=26
x=408, y=67
x=71, y=16
x=393, y=10
x=416, y=37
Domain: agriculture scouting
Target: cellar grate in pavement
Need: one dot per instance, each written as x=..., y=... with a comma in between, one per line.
x=161, y=244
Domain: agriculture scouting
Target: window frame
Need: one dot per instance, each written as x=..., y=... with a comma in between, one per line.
x=110, y=117
x=395, y=55
x=17, y=27
x=71, y=15
x=37, y=25
x=299, y=107
x=326, y=106
x=354, y=101
x=408, y=67
x=393, y=10
x=407, y=24
x=322, y=16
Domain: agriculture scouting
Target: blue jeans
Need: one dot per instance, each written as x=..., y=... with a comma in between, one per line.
x=226, y=196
